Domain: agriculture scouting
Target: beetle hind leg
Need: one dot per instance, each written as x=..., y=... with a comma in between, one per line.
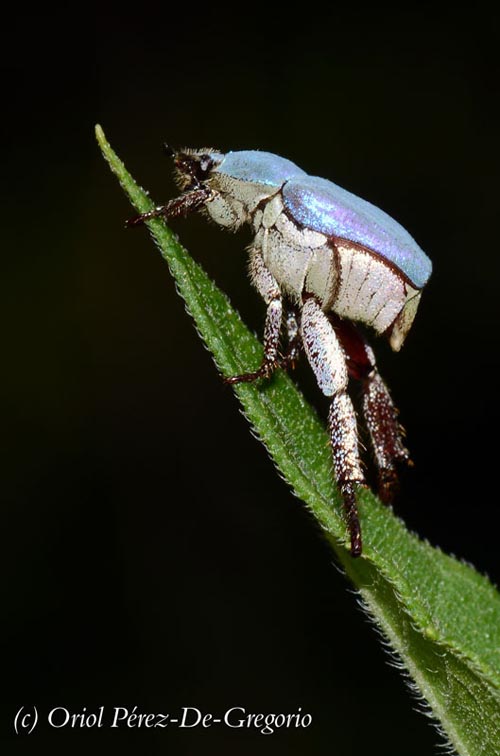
x=386, y=434
x=380, y=413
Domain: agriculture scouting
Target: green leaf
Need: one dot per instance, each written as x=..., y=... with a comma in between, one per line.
x=440, y=617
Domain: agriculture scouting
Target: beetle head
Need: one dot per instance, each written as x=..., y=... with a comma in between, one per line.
x=193, y=167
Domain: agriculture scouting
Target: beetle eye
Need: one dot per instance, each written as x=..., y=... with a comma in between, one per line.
x=205, y=165
x=193, y=167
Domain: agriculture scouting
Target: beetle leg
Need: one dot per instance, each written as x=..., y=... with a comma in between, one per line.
x=326, y=357
x=381, y=416
x=385, y=432
x=182, y=205
x=268, y=288
x=291, y=356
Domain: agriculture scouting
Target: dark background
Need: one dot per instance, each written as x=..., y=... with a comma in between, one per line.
x=150, y=554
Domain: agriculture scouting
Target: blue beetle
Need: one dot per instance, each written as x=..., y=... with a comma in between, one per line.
x=322, y=259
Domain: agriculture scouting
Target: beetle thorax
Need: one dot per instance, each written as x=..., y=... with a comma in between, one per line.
x=234, y=201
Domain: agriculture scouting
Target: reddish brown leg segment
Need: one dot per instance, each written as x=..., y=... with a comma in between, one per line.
x=381, y=416
x=386, y=434
x=182, y=205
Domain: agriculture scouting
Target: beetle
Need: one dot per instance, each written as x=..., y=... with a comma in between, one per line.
x=323, y=260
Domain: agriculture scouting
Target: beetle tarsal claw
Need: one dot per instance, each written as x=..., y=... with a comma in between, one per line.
x=265, y=371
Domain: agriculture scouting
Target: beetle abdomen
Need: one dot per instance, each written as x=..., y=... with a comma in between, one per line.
x=369, y=290
x=323, y=206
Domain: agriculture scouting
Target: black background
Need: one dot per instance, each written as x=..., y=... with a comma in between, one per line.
x=150, y=554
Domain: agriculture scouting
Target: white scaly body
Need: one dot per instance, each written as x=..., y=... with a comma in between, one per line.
x=320, y=259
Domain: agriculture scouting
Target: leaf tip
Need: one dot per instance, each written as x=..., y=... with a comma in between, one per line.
x=101, y=139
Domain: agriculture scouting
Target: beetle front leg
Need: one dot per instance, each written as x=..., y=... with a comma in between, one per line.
x=327, y=360
x=182, y=205
x=268, y=288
